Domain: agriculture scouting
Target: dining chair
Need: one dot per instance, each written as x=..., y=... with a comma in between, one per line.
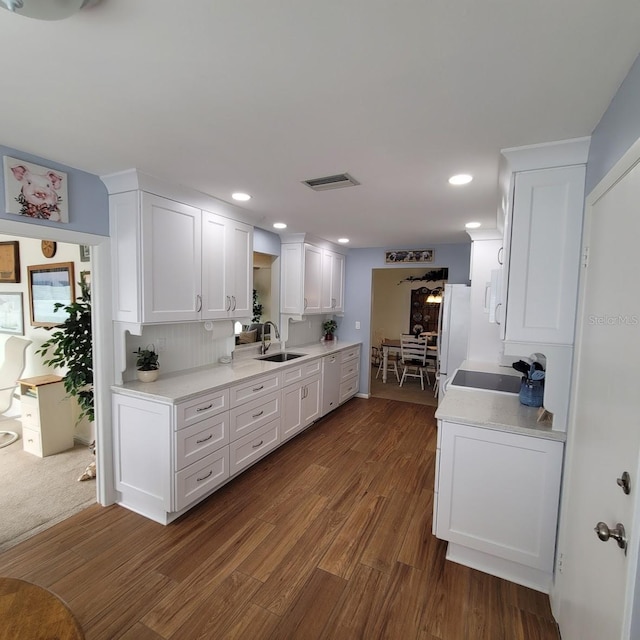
x=392, y=362
x=413, y=354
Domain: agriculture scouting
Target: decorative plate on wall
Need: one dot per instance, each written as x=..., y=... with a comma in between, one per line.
x=49, y=248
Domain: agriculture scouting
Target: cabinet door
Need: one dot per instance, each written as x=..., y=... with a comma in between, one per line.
x=311, y=400
x=171, y=260
x=498, y=493
x=544, y=256
x=332, y=281
x=216, y=302
x=292, y=417
x=312, y=279
x=227, y=270
x=240, y=268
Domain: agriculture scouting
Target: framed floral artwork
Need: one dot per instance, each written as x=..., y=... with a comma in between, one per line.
x=35, y=191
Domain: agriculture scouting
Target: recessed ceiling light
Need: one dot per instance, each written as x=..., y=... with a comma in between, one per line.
x=343, y=240
x=243, y=197
x=279, y=225
x=473, y=225
x=461, y=178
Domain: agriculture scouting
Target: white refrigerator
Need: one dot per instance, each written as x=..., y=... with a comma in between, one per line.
x=453, y=331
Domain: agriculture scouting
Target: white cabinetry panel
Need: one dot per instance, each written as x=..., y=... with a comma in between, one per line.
x=498, y=492
x=171, y=250
x=545, y=255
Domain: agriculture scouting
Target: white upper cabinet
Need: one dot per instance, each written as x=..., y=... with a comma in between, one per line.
x=332, y=300
x=544, y=198
x=312, y=279
x=171, y=241
x=173, y=262
x=544, y=256
x=227, y=273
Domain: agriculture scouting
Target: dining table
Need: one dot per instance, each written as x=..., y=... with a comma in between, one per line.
x=389, y=345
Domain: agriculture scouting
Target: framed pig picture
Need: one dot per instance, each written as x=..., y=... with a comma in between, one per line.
x=35, y=191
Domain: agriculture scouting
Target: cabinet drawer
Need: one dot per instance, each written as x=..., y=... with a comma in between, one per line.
x=246, y=450
x=201, y=439
x=293, y=374
x=30, y=415
x=248, y=417
x=349, y=369
x=258, y=388
x=31, y=441
x=201, y=477
x=204, y=406
x=350, y=354
x=348, y=388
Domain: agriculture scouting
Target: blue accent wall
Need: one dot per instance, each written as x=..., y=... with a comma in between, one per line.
x=359, y=266
x=617, y=130
x=88, y=198
x=266, y=242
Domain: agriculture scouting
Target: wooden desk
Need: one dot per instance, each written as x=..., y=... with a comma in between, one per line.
x=393, y=346
x=30, y=612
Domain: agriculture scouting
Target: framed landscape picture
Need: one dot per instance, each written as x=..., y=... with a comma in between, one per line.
x=50, y=284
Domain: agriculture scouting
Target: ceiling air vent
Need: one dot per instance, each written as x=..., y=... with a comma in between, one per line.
x=331, y=182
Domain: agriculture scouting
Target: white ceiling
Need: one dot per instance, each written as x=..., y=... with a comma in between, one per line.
x=258, y=95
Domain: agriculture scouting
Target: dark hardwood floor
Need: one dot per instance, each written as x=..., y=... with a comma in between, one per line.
x=328, y=537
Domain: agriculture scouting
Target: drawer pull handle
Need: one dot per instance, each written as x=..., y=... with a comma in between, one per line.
x=259, y=388
x=205, y=408
x=205, y=477
x=257, y=415
x=205, y=439
x=255, y=446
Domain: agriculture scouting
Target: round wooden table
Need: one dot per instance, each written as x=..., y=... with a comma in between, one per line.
x=30, y=612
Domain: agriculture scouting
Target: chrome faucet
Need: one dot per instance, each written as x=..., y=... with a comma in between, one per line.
x=265, y=347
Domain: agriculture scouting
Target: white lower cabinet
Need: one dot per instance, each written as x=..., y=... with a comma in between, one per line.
x=254, y=445
x=496, y=501
x=170, y=456
x=301, y=405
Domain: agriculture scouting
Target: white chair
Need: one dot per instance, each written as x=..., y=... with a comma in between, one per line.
x=392, y=363
x=413, y=354
x=10, y=371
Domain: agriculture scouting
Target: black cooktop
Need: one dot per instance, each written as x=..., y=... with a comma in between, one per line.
x=488, y=381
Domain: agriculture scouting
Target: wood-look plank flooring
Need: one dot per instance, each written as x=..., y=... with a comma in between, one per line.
x=329, y=537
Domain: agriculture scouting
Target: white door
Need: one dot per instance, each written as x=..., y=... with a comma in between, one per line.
x=595, y=580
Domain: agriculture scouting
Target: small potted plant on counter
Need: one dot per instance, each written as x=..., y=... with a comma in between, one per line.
x=147, y=364
x=329, y=327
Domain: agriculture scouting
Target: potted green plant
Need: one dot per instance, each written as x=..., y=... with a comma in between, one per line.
x=71, y=344
x=329, y=326
x=147, y=363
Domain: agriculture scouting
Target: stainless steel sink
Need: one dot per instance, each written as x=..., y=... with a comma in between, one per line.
x=281, y=357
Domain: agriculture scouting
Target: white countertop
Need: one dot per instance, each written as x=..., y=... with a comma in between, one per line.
x=491, y=410
x=182, y=385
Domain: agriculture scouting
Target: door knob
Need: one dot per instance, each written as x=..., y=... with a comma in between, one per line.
x=618, y=534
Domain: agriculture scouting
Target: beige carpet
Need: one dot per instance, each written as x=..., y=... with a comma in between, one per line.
x=36, y=493
x=409, y=392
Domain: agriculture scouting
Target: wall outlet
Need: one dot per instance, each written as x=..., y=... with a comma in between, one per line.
x=161, y=344
x=357, y=324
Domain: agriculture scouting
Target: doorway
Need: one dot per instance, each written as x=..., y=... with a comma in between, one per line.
x=102, y=337
x=394, y=294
